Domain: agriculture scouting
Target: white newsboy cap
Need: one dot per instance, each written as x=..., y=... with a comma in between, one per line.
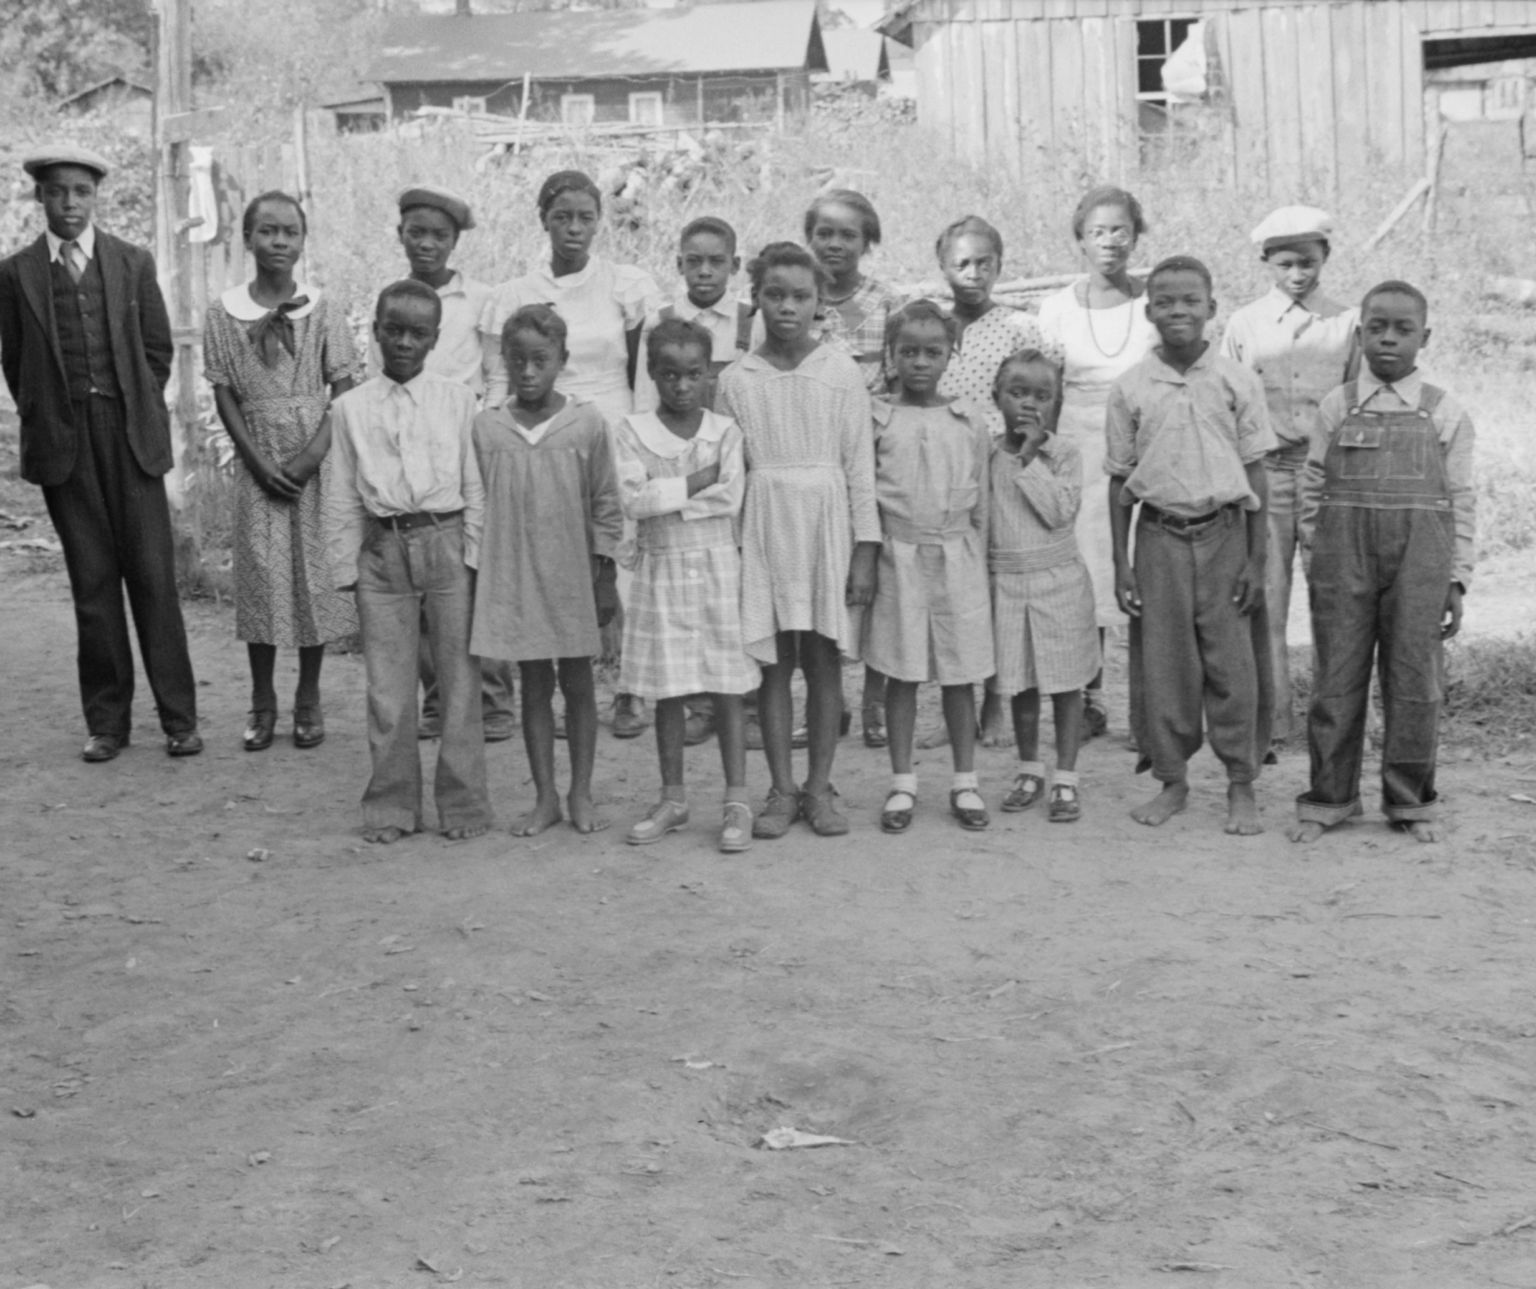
x=1292, y=224
x=65, y=154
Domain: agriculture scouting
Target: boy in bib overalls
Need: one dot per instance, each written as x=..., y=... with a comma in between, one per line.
x=1388, y=528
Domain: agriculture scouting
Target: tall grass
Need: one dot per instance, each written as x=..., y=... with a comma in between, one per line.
x=918, y=185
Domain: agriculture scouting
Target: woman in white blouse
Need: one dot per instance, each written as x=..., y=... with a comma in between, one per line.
x=1101, y=324
x=604, y=305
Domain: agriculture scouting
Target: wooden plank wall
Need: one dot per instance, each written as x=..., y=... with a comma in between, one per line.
x=1317, y=89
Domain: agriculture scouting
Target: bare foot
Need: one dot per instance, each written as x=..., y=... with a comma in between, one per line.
x=1425, y=830
x=466, y=831
x=1169, y=802
x=384, y=836
x=545, y=814
x=936, y=737
x=584, y=816
x=1305, y=831
x=1242, y=811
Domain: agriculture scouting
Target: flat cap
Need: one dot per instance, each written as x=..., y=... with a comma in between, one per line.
x=1292, y=224
x=451, y=204
x=65, y=154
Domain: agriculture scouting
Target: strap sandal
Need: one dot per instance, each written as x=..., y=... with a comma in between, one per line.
x=821, y=812
x=1027, y=790
x=896, y=817
x=972, y=818
x=308, y=726
x=875, y=734
x=779, y=811
x=259, y=730
x=735, y=828
x=1066, y=806
x=666, y=816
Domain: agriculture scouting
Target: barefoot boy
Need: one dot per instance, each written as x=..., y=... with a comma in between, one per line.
x=1388, y=527
x=404, y=516
x=1187, y=433
x=1301, y=344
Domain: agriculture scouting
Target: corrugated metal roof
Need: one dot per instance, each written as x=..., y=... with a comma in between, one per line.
x=763, y=35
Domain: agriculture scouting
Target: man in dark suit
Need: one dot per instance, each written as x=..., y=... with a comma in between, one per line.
x=85, y=345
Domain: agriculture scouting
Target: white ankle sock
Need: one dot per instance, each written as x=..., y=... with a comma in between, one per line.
x=966, y=782
x=1036, y=768
x=905, y=783
x=1067, y=778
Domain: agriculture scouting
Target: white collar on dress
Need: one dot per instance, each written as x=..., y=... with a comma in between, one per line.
x=568, y=281
x=658, y=439
x=239, y=305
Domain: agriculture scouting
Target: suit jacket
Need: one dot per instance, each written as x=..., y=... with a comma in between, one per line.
x=33, y=362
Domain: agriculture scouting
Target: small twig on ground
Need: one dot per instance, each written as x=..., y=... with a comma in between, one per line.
x=1432, y=917
x=1464, y=1181
x=1192, y=1266
x=1185, y=1111
x=838, y=1239
x=1521, y=1225
x=1104, y=1051
x=1364, y=1141
x=977, y=1038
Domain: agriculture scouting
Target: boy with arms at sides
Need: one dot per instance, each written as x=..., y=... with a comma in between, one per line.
x=1388, y=526
x=1301, y=344
x=1187, y=433
x=432, y=220
x=707, y=260
x=404, y=515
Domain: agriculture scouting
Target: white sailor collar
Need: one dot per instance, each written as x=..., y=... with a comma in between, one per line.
x=657, y=439
x=240, y=305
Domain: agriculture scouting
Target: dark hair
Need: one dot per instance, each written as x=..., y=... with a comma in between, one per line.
x=869, y=221
x=783, y=255
x=408, y=288
x=709, y=224
x=676, y=331
x=248, y=221
x=1029, y=356
x=1108, y=195
x=567, y=181
x=920, y=310
x=541, y=319
x=1182, y=264
x=1394, y=286
x=968, y=226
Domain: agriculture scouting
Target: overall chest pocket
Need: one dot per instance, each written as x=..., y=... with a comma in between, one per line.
x=1360, y=450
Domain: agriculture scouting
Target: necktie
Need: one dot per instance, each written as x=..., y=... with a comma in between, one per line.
x=74, y=261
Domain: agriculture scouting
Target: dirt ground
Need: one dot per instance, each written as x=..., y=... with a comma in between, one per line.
x=1063, y=1056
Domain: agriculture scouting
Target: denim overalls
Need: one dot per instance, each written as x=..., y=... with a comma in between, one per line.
x=1381, y=568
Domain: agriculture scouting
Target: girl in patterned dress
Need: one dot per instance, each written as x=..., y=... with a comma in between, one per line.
x=682, y=477
x=276, y=352
x=810, y=528
x=841, y=228
x=1042, y=594
x=931, y=618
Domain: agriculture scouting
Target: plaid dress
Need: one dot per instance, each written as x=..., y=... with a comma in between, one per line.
x=1042, y=596
x=682, y=623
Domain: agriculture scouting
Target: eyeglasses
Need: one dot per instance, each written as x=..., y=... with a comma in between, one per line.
x=1109, y=236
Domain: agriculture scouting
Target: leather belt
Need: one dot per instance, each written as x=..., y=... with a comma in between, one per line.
x=420, y=519
x=1180, y=523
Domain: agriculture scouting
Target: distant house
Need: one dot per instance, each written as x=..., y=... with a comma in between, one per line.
x=357, y=109
x=707, y=62
x=130, y=104
x=1297, y=92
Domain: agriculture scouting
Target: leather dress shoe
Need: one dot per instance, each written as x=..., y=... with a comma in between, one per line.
x=308, y=727
x=103, y=747
x=259, y=727
x=187, y=744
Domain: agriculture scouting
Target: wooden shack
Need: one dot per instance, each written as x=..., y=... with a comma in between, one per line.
x=130, y=104
x=1297, y=93
x=647, y=67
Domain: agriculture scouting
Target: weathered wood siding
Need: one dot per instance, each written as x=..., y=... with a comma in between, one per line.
x=1315, y=89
